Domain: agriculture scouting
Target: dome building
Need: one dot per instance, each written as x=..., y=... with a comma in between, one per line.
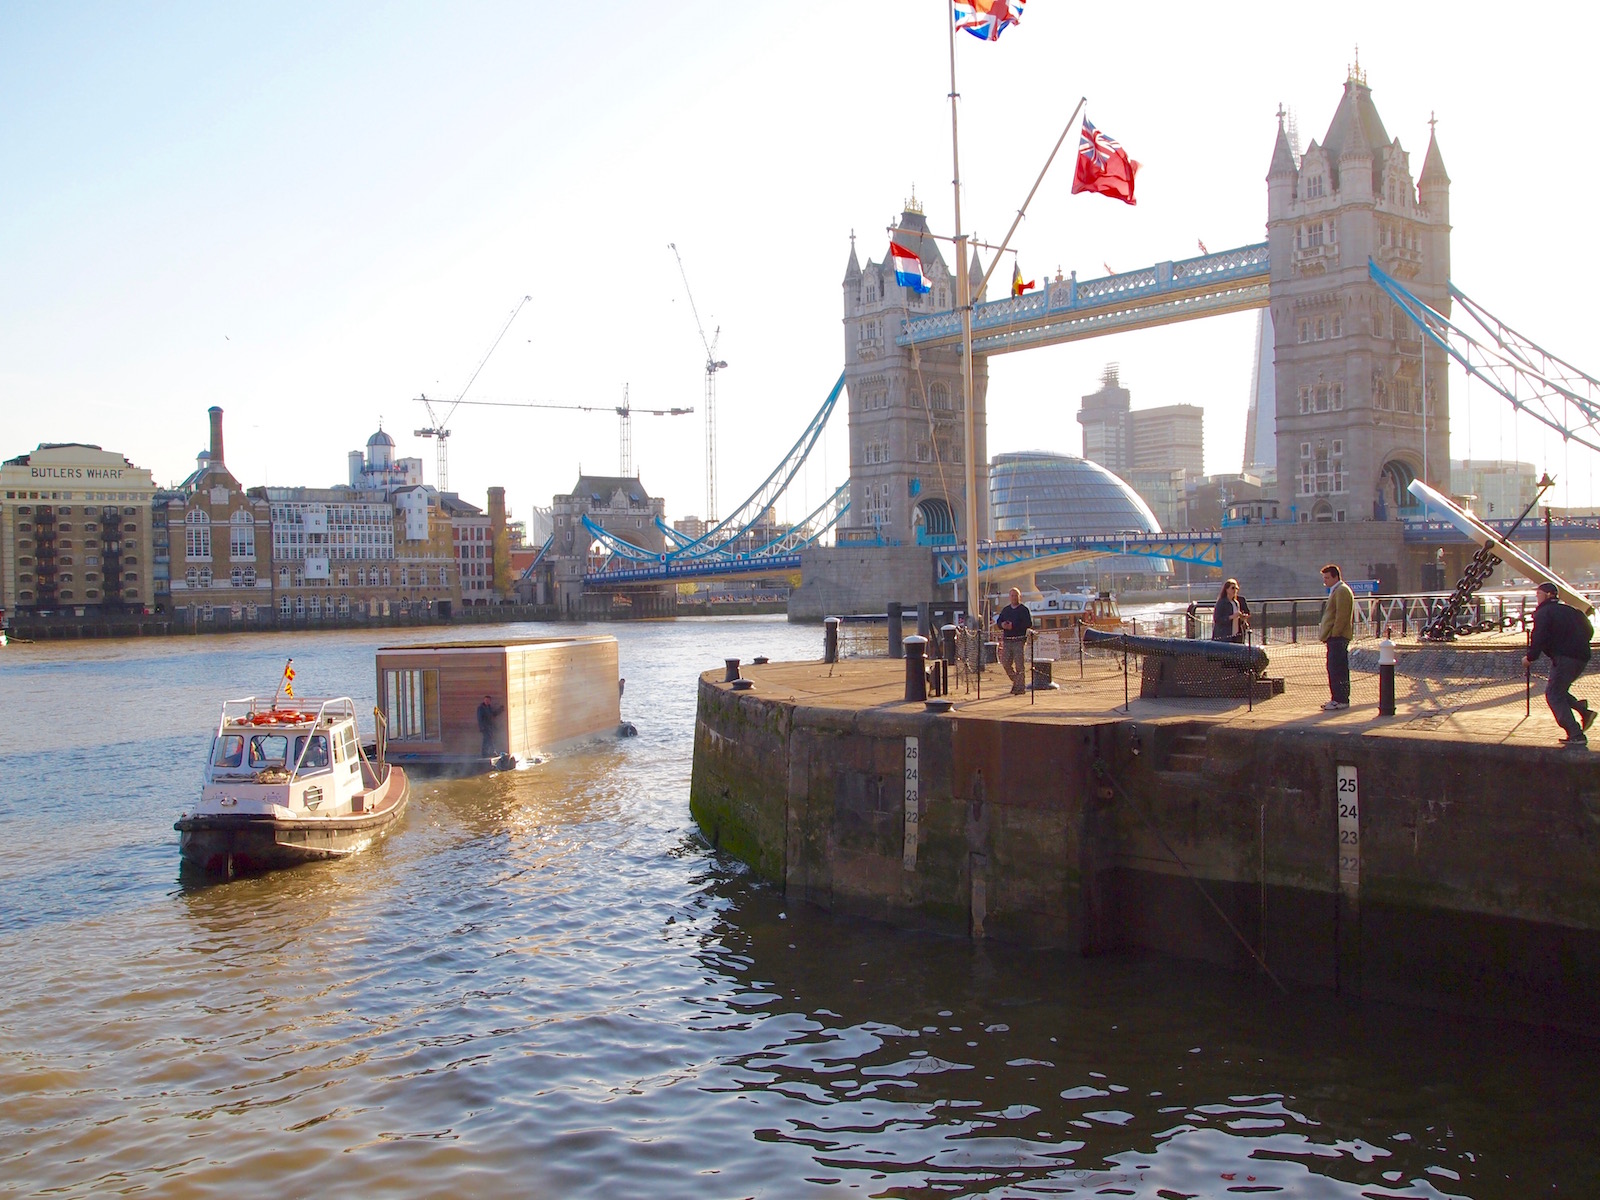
x=1036, y=493
x=379, y=470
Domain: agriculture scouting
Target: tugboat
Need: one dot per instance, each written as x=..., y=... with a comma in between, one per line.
x=285, y=786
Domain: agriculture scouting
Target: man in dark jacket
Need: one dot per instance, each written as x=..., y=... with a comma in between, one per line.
x=487, y=712
x=1014, y=621
x=1563, y=633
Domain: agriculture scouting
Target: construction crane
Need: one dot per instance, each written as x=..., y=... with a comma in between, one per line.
x=438, y=427
x=624, y=412
x=713, y=365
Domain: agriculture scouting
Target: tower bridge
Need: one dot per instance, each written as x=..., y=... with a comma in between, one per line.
x=1357, y=252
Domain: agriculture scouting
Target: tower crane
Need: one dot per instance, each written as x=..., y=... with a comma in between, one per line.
x=713, y=365
x=438, y=427
x=624, y=412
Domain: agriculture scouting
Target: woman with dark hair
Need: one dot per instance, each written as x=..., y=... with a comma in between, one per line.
x=1231, y=616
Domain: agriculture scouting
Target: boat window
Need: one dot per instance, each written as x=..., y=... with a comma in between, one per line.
x=268, y=750
x=411, y=705
x=315, y=757
x=349, y=743
x=230, y=750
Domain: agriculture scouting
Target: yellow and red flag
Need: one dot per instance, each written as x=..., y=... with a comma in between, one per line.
x=288, y=679
x=1017, y=286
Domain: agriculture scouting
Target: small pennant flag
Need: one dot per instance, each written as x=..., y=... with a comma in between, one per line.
x=908, y=269
x=288, y=679
x=1202, y=246
x=1017, y=286
x=988, y=19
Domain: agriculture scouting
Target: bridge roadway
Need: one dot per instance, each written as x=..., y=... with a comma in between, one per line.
x=1005, y=559
x=1066, y=310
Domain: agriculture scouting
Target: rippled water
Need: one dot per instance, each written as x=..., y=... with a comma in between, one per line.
x=544, y=984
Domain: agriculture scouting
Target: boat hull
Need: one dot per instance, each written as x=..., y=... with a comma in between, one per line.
x=227, y=844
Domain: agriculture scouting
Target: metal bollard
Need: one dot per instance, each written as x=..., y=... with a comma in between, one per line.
x=732, y=671
x=830, y=640
x=949, y=632
x=1386, y=661
x=896, y=628
x=916, y=678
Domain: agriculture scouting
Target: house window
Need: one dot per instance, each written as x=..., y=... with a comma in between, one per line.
x=197, y=535
x=411, y=705
x=242, y=536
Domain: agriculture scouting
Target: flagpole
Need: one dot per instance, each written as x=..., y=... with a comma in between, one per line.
x=964, y=301
x=1023, y=211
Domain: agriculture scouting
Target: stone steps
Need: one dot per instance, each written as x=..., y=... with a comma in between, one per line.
x=1188, y=754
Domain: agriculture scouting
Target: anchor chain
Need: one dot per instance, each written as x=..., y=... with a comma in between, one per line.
x=1454, y=620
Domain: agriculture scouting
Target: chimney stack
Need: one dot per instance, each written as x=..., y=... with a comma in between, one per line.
x=216, y=436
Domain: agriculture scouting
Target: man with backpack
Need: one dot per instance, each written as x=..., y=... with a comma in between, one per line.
x=1563, y=633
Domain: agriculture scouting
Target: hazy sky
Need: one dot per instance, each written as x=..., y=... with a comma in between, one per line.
x=311, y=214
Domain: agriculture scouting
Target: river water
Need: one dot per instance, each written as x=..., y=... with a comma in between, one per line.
x=545, y=984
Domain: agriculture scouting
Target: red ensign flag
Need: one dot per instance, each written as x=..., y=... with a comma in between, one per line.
x=1103, y=166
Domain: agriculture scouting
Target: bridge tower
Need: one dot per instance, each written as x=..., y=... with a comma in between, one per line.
x=907, y=460
x=1362, y=402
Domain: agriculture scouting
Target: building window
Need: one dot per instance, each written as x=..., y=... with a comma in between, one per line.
x=249, y=577
x=411, y=705
x=1305, y=331
x=1305, y=449
x=236, y=577
x=344, y=606
x=242, y=536
x=1338, y=327
x=283, y=606
x=205, y=577
x=197, y=535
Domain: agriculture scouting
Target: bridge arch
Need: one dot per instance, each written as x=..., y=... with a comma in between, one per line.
x=1393, y=481
x=933, y=522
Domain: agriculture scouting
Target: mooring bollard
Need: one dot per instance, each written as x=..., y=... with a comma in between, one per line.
x=949, y=632
x=924, y=618
x=830, y=640
x=1386, y=676
x=896, y=628
x=732, y=672
x=916, y=677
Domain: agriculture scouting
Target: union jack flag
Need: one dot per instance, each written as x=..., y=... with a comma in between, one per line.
x=988, y=19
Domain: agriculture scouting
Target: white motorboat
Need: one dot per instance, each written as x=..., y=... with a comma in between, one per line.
x=288, y=785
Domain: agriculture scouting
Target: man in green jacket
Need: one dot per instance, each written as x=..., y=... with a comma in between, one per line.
x=1338, y=627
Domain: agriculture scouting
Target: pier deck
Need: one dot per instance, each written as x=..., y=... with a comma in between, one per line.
x=1448, y=856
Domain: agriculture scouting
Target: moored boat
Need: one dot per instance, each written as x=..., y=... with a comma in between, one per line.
x=288, y=785
x=1057, y=610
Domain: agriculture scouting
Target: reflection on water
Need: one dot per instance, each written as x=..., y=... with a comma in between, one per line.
x=543, y=983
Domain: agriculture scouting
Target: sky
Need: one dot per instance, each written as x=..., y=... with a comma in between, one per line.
x=312, y=214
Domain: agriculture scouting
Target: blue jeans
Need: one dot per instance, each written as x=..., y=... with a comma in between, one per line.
x=1564, y=673
x=1339, y=669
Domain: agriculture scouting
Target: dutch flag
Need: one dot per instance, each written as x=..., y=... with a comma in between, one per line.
x=908, y=270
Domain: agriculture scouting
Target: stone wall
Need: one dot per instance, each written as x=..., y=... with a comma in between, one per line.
x=842, y=581
x=1285, y=560
x=1474, y=892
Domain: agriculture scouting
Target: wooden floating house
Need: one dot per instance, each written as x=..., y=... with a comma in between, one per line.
x=542, y=692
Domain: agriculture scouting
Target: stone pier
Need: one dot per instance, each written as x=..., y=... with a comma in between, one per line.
x=1447, y=858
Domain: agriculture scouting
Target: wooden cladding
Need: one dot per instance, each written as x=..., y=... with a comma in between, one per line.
x=545, y=691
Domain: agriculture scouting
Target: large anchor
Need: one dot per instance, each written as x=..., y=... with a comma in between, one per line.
x=1455, y=619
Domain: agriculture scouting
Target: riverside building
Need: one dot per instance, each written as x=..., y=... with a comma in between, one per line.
x=219, y=544
x=75, y=531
